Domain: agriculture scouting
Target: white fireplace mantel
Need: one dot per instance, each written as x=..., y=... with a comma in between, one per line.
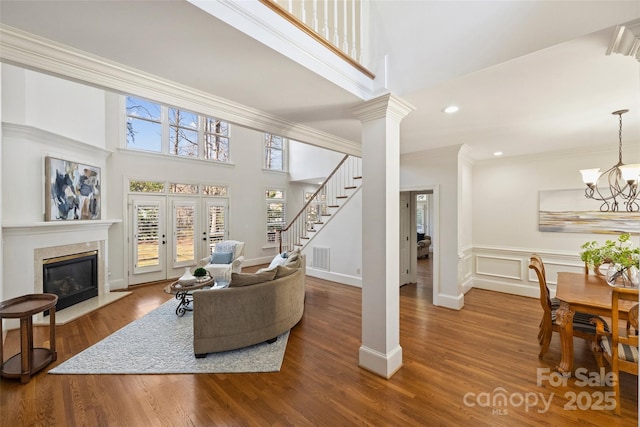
x=57, y=226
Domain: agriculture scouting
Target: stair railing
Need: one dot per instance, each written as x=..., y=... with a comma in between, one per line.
x=329, y=194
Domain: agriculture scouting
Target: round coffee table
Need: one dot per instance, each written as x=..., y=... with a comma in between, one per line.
x=30, y=360
x=183, y=293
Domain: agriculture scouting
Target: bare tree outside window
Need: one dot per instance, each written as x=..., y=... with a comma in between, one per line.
x=183, y=128
x=273, y=152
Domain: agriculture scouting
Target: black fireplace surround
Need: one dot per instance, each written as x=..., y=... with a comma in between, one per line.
x=74, y=278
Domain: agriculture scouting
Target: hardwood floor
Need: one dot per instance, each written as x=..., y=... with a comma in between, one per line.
x=454, y=362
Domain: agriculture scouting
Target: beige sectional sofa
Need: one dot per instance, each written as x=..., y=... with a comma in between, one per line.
x=256, y=307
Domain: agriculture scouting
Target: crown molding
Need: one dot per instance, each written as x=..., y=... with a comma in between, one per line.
x=39, y=54
x=386, y=105
x=625, y=40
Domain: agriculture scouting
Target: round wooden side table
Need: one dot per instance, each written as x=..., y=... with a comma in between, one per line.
x=30, y=360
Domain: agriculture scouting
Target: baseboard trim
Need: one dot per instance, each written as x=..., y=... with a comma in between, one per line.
x=384, y=365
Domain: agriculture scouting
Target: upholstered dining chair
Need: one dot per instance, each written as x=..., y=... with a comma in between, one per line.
x=620, y=346
x=582, y=325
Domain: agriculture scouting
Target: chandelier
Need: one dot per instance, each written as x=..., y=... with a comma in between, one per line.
x=616, y=185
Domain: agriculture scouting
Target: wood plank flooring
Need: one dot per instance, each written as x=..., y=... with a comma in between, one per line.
x=455, y=364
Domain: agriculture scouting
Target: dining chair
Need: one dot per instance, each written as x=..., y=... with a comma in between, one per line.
x=620, y=346
x=582, y=325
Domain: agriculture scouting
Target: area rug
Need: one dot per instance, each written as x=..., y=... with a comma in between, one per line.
x=162, y=343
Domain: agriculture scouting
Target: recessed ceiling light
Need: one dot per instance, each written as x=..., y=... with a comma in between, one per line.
x=498, y=153
x=450, y=109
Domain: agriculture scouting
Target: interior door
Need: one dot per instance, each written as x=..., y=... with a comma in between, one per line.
x=149, y=240
x=405, y=238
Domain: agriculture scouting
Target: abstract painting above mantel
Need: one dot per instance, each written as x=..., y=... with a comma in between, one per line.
x=569, y=211
x=72, y=190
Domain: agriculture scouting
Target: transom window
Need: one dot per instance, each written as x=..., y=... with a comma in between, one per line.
x=139, y=186
x=154, y=127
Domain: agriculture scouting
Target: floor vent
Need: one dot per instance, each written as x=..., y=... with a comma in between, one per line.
x=321, y=258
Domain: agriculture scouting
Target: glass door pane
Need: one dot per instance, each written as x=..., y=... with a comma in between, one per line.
x=184, y=233
x=148, y=238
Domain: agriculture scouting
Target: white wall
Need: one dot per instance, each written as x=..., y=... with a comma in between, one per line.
x=505, y=216
x=343, y=235
x=439, y=168
x=324, y=161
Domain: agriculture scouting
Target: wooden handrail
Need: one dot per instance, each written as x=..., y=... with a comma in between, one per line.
x=326, y=43
x=304, y=208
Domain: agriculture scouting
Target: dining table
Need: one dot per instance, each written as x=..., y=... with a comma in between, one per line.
x=586, y=293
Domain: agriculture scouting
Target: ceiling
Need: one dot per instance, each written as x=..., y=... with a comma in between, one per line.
x=528, y=76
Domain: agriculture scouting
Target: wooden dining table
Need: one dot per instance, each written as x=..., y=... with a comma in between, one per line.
x=587, y=293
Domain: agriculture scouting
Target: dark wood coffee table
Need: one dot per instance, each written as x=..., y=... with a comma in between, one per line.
x=183, y=293
x=30, y=360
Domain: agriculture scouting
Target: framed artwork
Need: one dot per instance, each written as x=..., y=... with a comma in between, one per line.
x=568, y=211
x=72, y=190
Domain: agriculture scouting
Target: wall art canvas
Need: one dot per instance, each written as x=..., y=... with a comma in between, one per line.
x=72, y=190
x=569, y=211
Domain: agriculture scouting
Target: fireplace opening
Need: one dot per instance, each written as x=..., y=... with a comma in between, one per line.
x=74, y=278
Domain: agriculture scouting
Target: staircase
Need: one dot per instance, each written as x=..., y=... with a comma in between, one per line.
x=323, y=205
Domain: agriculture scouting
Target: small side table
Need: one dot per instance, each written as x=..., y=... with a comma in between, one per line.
x=183, y=293
x=30, y=360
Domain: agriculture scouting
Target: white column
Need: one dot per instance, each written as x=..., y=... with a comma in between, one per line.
x=380, y=351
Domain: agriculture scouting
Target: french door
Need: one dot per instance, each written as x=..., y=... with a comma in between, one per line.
x=171, y=233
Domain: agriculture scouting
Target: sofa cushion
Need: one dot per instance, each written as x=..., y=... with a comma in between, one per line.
x=221, y=258
x=245, y=279
x=293, y=261
x=283, y=271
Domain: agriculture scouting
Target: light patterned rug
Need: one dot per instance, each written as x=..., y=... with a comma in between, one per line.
x=162, y=343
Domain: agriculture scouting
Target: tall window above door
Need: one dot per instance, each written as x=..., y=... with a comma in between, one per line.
x=275, y=214
x=159, y=128
x=274, y=152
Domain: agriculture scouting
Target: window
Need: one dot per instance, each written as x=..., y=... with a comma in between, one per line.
x=316, y=208
x=183, y=188
x=183, y=133
x=274, y=151
x=186, y=133
x=144, y=125
x=275, y=214
x=146, y=186
x=216, y=138
x=214, y=190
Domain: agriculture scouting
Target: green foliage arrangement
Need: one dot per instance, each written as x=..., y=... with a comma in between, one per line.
x=619, y=251
x=200, y=272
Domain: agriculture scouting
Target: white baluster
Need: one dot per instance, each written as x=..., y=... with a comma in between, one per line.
x=336, y=36
x=345, y=29
x=315, y=16
x=354, y=52
x=325, y=20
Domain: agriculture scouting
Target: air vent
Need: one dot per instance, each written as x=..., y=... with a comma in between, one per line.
x=321, y=258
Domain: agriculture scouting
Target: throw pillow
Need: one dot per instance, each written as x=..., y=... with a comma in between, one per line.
x=282, y=271
x=221, y=258
x=245, y=279
x=277, y=260
x=226, y=246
